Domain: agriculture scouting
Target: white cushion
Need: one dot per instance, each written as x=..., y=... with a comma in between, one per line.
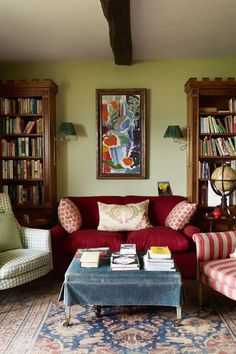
x=128, y=217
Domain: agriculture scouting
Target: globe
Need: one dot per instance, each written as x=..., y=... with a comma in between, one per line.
x=222, y=177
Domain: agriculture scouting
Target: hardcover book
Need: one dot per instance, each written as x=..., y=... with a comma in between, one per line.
x=104, y=251
x=89, y=259
x=128, y=248
x=124, y=262
x=160, y=252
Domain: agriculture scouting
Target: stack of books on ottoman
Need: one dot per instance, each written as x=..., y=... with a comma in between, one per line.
x=126, y=259
x=158, y=259
x=89, y=257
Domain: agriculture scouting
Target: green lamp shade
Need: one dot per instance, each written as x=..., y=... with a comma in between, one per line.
x=66, y=128
x=173, y=131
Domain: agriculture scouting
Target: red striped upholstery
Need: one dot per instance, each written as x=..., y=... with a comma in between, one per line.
x=214, y=245
x=214, y=267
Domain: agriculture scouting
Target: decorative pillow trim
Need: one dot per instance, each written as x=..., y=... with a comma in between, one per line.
x=69, y=215
x=180, y=215
x=128, y=217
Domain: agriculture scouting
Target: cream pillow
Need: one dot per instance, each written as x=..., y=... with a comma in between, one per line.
x=180, y=215
x=129, y=217
x=69, y=215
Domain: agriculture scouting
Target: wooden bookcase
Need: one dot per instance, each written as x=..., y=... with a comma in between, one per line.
x=27, y=151
x=211, y=133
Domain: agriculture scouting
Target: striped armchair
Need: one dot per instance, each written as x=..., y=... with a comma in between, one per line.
x=214, y=267
x=22, y=265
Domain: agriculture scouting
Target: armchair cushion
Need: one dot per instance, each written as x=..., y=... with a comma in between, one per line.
x=19, y=261
x=9, y=232
x=222, y=270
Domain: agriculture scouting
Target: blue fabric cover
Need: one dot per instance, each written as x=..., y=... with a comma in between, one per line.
x=102, y=286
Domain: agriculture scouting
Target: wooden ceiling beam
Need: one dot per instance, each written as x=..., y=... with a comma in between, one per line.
x=117, y=13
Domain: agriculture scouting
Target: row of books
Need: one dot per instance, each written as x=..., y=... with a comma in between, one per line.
x=212, y=125
x=25, y=194
x=20, y=105
x=22, y=169
x=159, y=259
x=205, y=168
x=22, y=147
x=19, y=125
x=217, y=147
x=232, y=104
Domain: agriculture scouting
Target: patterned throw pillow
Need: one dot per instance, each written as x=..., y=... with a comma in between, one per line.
x=114, y=217
x=69, y=215
x=180, y=215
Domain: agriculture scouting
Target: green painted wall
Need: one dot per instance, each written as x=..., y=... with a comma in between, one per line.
x=166, y=104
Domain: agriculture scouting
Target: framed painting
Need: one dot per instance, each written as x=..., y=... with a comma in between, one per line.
x=164, y=188
x=121, y=140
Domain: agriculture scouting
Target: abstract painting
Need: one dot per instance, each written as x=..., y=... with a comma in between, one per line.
x=121, y=125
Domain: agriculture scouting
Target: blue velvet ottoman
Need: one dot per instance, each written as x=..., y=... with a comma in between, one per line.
x=104, y=287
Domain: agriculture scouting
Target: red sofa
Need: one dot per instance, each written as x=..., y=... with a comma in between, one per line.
x=64, y=245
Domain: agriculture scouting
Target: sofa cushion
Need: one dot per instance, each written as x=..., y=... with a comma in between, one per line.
x=180, y=215
x=158, y=236
x=94, y=238
x=113, y=217
x=159, y=207
x=88, y=208
x=9, y=233
x=69, y=215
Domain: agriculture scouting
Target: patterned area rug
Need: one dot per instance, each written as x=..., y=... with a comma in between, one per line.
x=31, y=321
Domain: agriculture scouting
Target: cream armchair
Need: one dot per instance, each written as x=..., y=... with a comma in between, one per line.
x=21, y=265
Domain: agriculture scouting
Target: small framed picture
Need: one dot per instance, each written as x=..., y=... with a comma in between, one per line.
x=164, y=188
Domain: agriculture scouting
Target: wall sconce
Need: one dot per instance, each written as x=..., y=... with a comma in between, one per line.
x=65, y=130
x=174, y=132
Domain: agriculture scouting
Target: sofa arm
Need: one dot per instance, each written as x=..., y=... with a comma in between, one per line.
x=58, y=231
x=214, y=245
x=190, y=230
x=37, y=239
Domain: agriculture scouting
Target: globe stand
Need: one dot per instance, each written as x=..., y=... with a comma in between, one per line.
x=224, y=208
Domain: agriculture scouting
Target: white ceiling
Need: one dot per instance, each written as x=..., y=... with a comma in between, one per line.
x=78, y=30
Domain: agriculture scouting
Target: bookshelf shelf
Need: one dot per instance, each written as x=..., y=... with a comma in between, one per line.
x=211, y=126
x=27, y=152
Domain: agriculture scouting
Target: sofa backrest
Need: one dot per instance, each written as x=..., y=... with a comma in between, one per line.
x=88, y=208
x=159, y=207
